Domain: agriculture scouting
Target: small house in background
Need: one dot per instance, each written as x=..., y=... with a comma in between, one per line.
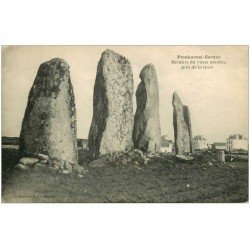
x=219, y=146
x=200, y=143
x=167, y=145
x=236, y=142
x=82, y=143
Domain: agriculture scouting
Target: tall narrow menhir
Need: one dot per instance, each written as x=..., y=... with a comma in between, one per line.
x=187, y=118
x=147, y=131
x=49, y=124
x=112, y=122
x=181, y=130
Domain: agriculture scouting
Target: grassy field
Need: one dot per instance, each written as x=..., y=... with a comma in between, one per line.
x=161, y=180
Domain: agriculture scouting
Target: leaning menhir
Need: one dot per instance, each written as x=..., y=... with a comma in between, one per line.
x=112, y=122
x=147, y=132
x=49, y=124
x=181, y=131
x=187, y=118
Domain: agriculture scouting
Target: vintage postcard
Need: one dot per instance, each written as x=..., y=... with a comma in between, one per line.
x=124, y=124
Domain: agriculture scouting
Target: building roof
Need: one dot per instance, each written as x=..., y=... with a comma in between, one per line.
x=219, y=144
x=200, y=137
x=236, y=137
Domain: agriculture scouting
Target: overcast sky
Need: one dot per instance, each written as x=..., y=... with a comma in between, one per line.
x=217, y=98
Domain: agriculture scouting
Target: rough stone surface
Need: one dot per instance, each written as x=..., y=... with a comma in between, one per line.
x=181, y=132
x=112, y=122
x=187, y=119
x=147, y=131
x=49, y=124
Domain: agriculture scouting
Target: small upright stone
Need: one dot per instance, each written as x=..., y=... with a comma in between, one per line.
x=181, y=132
x=221, y=156
x=187, y=119
x=49, y=124
x=112, y=122
x=147, y=131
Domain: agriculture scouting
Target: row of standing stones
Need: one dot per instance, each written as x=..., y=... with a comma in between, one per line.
x=49, y=124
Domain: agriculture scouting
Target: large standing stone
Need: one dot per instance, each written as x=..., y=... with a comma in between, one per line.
x=181, y=132
x=112, y=122
x=147, y=131
x=187, y=119
x=49, y=124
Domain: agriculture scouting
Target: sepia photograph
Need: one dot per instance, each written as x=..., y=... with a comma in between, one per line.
x=125, y=124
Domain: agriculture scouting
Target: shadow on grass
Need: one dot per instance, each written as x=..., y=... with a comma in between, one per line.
x=10, y=159
x=161, y=180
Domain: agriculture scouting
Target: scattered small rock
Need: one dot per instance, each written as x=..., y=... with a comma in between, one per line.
x=144, y=158
x=150, y=155
x=188, y=185
x=29, y=161
x=184, y=158
x=131, y=153
x=44, y=161
x=124, y=162
x=139, y=152
x=100, y=162
x=80, y=175
x=43, y=157
x=65, y=171
x=58, y=164
x=68, y=166
x=22, y=167
x=39, y=165
x=78, y=169
x=55, y=167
